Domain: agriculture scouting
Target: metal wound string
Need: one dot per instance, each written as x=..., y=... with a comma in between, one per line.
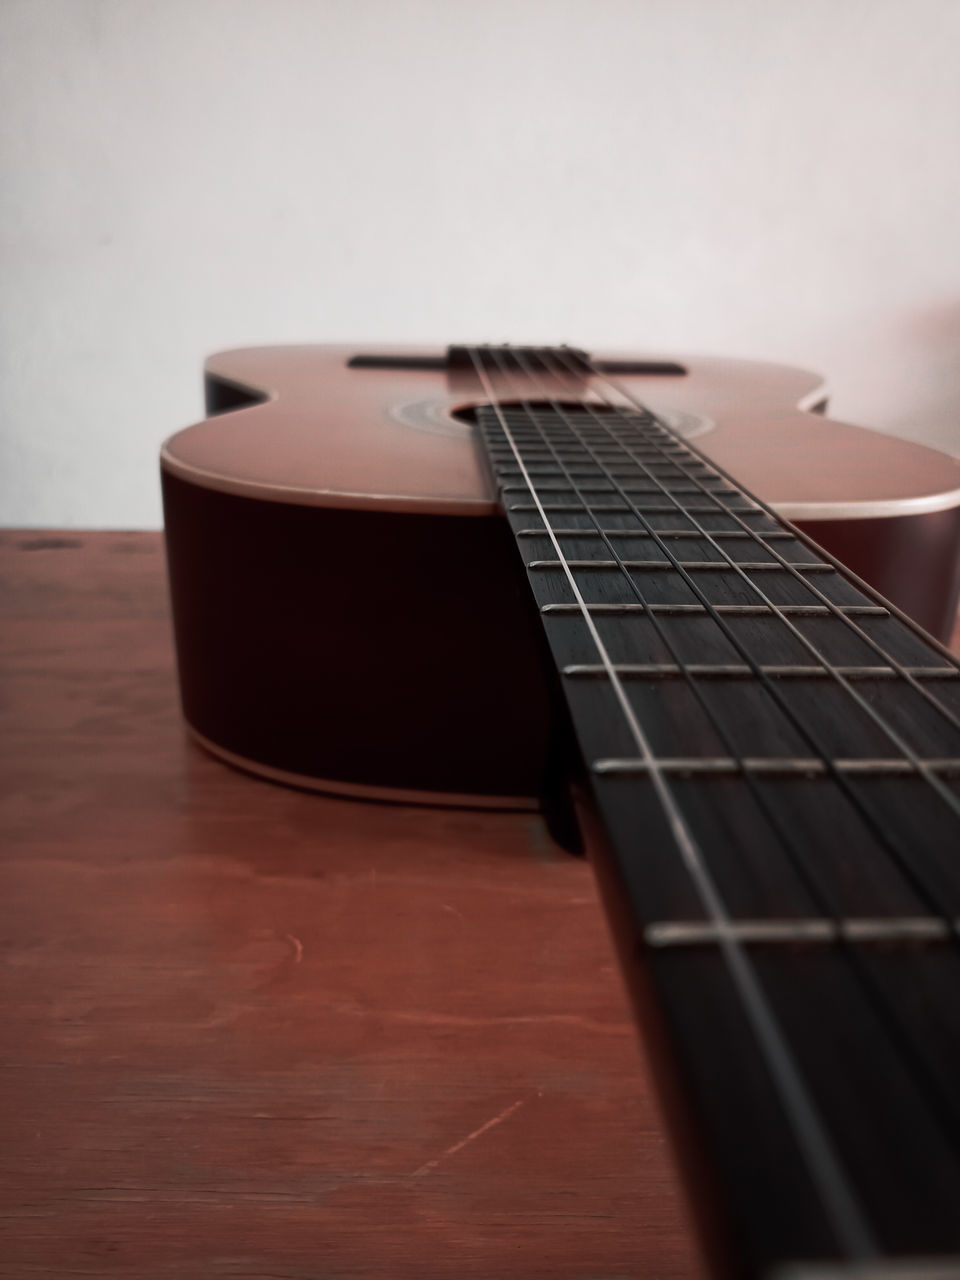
x=826, y=1172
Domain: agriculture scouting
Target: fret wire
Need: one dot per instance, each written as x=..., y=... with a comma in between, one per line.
x=859, y=802
x=650, y=510
x=741, y=610
x=721, y=670
x=735, y=534
x=837, y=1196
x=684, y=933
x=591, y=488
x=789, y=766
x=786, y=564
x=952, y=801
x=664, y=566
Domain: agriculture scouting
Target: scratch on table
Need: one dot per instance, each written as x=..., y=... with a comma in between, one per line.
x=458, y=1146
x=297, y=946
x=426, y=1018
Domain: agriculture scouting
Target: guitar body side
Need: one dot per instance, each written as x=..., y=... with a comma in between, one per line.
x=375, y=653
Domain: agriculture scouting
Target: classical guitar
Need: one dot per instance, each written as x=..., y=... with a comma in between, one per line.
x=634, y=592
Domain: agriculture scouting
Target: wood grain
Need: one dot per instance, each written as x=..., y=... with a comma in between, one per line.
x=250, y=1032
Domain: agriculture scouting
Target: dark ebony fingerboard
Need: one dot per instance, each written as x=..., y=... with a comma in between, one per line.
x=783, y=836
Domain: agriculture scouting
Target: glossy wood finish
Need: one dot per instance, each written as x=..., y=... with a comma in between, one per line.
x=330, y=435
x=358, y=649
x=254, y=1033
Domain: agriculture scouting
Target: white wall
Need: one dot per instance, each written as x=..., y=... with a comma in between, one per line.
x=768, y=178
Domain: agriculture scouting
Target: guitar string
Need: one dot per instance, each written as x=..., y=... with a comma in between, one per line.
x=811, y=587
x=839, y=1201
x=928, y=894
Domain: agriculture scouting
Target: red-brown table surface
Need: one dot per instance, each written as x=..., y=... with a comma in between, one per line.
x=248, y=1032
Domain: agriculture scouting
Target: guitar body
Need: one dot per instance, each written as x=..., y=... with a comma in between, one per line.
x=351, y=613
x=461, y=577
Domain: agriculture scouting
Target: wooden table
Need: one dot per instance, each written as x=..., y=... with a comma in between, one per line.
x=249, y=1032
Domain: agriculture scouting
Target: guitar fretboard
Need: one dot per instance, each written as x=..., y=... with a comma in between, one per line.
x=775, y=757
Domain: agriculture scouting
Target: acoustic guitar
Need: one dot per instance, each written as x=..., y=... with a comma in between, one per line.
x=633, y=592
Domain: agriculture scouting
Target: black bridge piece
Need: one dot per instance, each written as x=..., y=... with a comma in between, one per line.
x=566, y=360
x=460, y=357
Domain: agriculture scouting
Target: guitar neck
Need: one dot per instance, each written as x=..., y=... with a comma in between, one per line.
x=773, y=753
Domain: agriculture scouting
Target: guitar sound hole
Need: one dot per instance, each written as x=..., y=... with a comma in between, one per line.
x=468, y=413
